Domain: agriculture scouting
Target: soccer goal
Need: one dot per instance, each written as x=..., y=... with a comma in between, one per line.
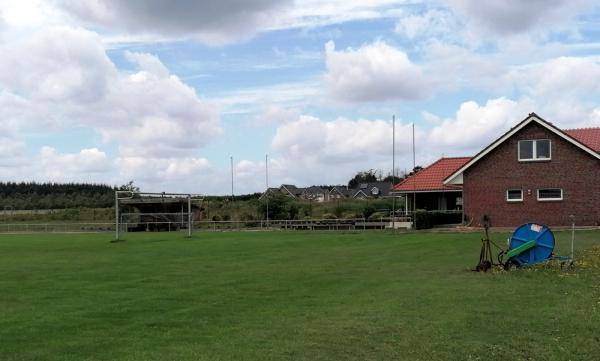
x=145, y=211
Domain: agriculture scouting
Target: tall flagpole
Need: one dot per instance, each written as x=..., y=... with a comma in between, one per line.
x=232, y=194
x=267, y=181
x=414, y=180
x=393, y=171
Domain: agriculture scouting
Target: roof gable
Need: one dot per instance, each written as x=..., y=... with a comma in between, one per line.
x=341, y=190
x=456, y=177
x=291, y=189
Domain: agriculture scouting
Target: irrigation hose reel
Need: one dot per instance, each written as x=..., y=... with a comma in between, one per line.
x=529, y=244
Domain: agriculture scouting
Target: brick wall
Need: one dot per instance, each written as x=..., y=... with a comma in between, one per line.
x=572, y=169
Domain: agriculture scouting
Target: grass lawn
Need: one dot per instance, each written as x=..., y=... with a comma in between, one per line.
x=290, y=296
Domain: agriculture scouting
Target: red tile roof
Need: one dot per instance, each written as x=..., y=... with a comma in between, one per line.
x=588, y=136
x=432, y=177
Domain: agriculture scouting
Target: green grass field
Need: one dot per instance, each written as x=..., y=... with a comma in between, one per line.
x=290, y=296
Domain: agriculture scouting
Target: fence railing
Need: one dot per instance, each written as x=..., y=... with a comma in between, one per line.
x=56, y=227
x=173, y=226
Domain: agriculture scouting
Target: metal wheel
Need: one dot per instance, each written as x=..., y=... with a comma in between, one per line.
x=510, y=265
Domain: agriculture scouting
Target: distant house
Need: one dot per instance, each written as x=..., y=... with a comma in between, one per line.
x=269, y=191
x=339, y=192
x=315, y=193
x=428, y=188
x=321, y=194
x=371, y=190
x=291, y=190
x=535, y=172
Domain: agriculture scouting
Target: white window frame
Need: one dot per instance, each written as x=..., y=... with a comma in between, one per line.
x=550, y=199
x=514, y=200
x=535, y=157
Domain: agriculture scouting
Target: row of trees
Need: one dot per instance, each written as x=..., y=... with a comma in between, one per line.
x=31, y=195
x=372, y=175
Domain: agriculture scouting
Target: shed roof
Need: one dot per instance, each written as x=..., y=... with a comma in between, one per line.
x=432, y=177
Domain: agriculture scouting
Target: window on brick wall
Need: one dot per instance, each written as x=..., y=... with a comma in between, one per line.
x=550, y=194
x=538, y=149
x=514, y=195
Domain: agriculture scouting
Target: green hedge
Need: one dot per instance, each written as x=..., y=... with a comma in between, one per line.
x=428, y=219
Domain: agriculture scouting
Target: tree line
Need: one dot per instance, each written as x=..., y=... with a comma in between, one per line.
x=32, y=195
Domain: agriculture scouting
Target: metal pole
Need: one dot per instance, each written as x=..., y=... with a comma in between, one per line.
x=116, y=216
x=393, y=171
x=414, y=180
x=572, y=238
x=232, y=196
x=267, y=180
x=189, y=199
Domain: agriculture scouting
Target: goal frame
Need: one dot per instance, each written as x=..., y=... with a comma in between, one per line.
x=123, y=195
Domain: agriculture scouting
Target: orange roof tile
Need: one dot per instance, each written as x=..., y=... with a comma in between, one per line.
x=432, y=177
x=588, y=136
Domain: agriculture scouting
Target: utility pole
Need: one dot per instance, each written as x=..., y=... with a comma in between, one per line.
x=393, y=172
x=232, y=196
x=414, y=180
x=267, y=181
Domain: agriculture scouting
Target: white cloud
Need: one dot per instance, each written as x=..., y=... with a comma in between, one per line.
x=58, y=65
x=11, y=147
x=341, y=140
x=2, y=23
x=374, y=72
x=475, y=126
x=65, y=79
x=456, y=67
x=314, y=13
x=85, y=165
x=559, y=77
x=11, y=151
x=434, y=22
x=252, y=100
x=564, y=88
x=309, y=150
x=61, y=77
x=156, y=170
x=156, y=114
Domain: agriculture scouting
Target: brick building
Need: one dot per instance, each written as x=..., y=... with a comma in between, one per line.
x=534, y=173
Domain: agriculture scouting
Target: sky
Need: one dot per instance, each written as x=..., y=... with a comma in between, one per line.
x=169, y=93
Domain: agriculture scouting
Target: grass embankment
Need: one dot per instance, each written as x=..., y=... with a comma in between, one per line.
x=296, y=296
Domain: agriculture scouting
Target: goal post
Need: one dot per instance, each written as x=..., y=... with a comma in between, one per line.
x=156, y=211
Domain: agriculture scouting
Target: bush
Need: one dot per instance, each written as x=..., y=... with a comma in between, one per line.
x=368, y=211
x=329, y=216
x=377, y=216
x=352, y=215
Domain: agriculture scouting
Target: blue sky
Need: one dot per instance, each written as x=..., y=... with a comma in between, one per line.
x=164, y=93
